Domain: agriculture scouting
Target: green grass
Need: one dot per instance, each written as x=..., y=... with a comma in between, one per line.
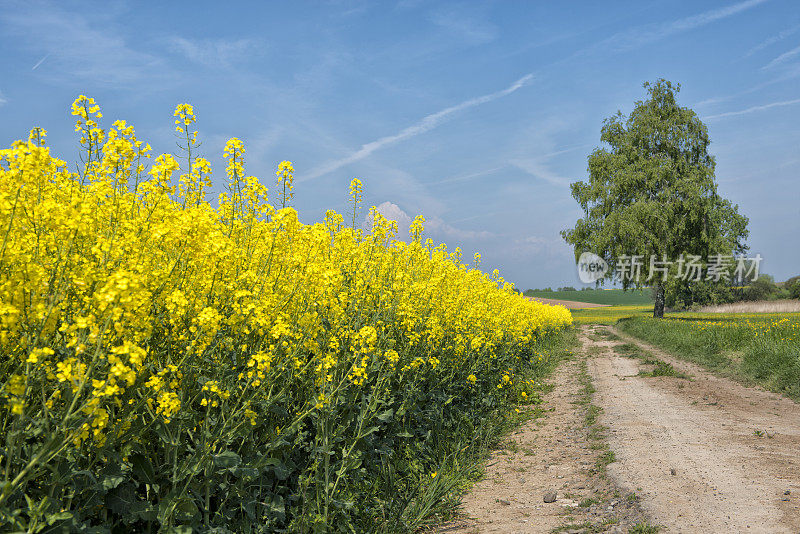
x=613, y=297
x=643, y=528
x=661, y=368
x=762, y=349
x=629, y=350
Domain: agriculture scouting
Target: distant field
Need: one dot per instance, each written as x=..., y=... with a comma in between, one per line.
x=569, y=304
x=612, y=297
x=610, y=314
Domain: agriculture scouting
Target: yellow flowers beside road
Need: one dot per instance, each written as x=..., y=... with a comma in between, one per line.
x=153, y=343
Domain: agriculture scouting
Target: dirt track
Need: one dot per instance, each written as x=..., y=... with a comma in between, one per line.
x=709, y=454
x=696, y=455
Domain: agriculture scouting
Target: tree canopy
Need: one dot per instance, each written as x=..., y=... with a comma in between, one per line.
x=652, y=192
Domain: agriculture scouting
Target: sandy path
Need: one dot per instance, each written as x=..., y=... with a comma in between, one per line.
x=704, y=455
x=553, y=453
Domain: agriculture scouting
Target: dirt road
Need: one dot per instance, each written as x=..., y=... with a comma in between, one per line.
x=709, y=454
x=692, y=454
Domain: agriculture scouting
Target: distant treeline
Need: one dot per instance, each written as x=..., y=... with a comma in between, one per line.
x=695, y=294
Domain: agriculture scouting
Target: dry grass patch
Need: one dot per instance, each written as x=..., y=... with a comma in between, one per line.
x=759, y=306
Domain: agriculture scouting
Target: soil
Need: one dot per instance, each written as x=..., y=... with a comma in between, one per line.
x=696, y=454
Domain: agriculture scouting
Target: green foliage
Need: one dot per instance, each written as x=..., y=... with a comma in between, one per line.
x=652, y=191
x=794, y=290
x=644, y=528
x=762, y=289
x=701, y=293
x=362, y=463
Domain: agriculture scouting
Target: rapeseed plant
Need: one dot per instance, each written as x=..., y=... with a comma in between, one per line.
x=167, y=361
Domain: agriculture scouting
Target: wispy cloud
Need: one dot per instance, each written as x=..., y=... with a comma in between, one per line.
x=636, y=37
x=753, y=109
x=89, y=51
x=38, y=63
x=772, y=40
x=470, y=176
x=538, y=166
x=782, y=58
x=462, y=26
x=539, y=169
x=215, y=52
x=426, y=124
x=792, y=71
x=712, y=100
x=3, y=99
x=437, y=226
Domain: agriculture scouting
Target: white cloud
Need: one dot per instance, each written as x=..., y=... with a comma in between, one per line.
x=215, y=52
x=393, y=212
x=753, y=109
x=782, y=58
x=541, y=142
x=3, y=99
x=711, y=101
x=433, y=225
x=634, y=38
x=427, y=123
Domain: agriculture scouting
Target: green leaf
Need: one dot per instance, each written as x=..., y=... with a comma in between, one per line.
x=227, y=459
x=143, y=469
x=111, y=481
x=386, y=416
x=369, y=431
x=179, y=507
x=247, y=473
x=277, y=506
x=59, y=516
x=142, y=510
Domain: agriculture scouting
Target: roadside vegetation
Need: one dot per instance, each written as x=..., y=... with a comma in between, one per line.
x=756, y=348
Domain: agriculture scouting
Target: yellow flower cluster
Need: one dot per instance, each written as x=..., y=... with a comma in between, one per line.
x=127, y=298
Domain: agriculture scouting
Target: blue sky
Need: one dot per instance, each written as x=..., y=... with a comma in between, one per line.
x=477, y=115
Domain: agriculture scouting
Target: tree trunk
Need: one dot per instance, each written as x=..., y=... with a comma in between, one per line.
x=658, y=309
